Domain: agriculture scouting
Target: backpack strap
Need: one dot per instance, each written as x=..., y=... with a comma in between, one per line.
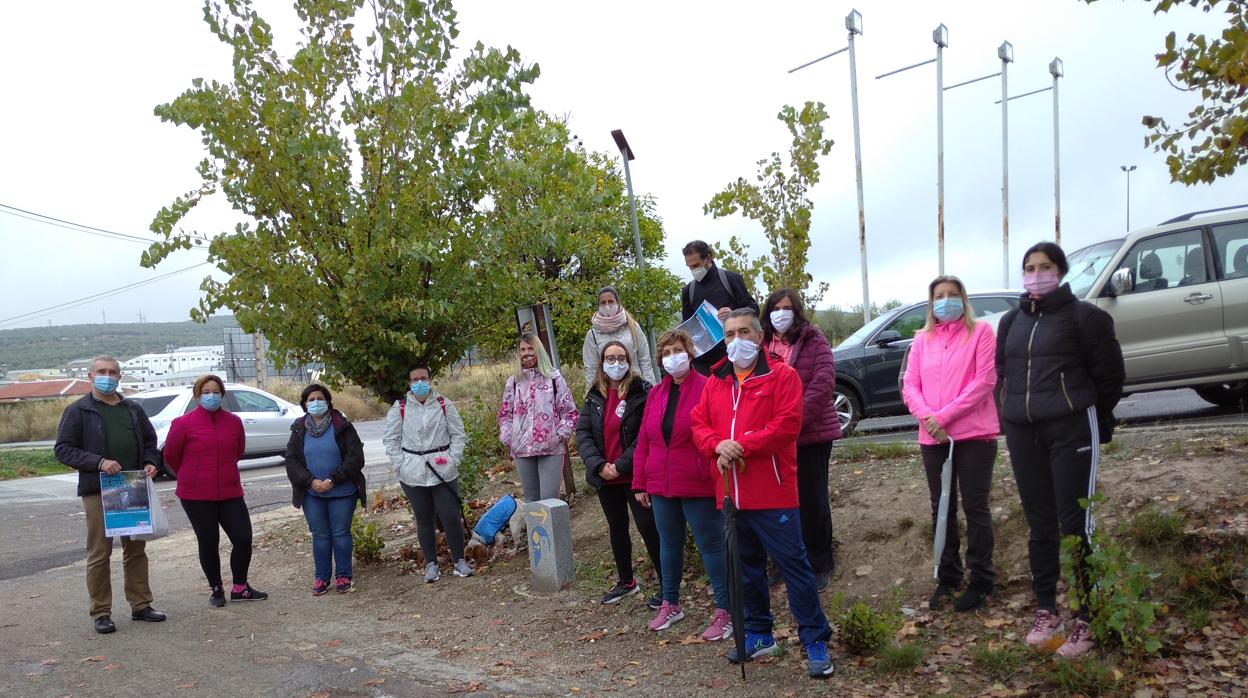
x=403, y=408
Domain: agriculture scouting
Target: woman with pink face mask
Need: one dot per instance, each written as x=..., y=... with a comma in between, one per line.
x=1059, y=376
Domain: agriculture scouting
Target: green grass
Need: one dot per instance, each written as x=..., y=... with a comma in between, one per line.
x=19, y=463
x=1153, y=529
x=999, y=664
x=1087, y=676
x=874, y=451
x=897, y=659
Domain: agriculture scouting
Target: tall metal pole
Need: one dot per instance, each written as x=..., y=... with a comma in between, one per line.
x=941, y=37
x=626, y=153
x=1056, y=70
x=853, y=22
x=1006, y=53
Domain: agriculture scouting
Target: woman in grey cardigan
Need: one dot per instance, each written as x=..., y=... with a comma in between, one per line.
x=612, y=323
x=425, y=441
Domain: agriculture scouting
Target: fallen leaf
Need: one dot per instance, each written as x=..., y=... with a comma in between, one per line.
x=373, y=682
x=1173, y=498
x=189, y=684
x=96, y=658
x=690, y=640
x=593, y=637
x=858, y=472
x=111, y=667
x=504, y=662
x=50, y=661
x=333, y=643
x=995, y=623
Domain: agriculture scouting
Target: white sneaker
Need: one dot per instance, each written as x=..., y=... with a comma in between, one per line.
x=431, y=573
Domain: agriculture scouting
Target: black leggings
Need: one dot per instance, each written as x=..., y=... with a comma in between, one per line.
x=442, y=500
x=616, y=501
x=231, y=515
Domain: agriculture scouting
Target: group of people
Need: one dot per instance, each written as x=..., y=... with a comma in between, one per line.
x=748, y=426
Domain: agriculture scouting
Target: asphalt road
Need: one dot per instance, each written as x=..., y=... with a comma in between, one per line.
x=1142, y=410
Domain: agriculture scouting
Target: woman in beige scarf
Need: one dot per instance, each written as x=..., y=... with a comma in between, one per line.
x=613, y=323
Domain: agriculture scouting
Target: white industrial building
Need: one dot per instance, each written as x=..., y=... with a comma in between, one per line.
x=169, y=369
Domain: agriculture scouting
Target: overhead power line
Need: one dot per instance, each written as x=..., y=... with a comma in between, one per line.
x=68, y=305
x=80, y=227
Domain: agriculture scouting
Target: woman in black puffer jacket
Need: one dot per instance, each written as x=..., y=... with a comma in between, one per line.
x=1059, y=376
x=606, y=435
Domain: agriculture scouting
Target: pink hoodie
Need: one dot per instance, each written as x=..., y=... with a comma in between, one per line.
x=950, y=376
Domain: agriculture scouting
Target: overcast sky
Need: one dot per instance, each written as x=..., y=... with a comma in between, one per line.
x=695, y=86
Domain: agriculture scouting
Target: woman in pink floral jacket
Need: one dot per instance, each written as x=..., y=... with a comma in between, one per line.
x=535, y=419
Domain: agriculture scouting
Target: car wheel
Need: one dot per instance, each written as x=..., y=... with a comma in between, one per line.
x=848, y=409
x=1224, y=394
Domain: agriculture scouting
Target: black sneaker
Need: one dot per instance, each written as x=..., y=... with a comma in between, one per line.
x=218, y=597
x=655, y=602
x=248, y=594
x=104, y=625
x=937, y=598
x=975, y=596
x=620, y=590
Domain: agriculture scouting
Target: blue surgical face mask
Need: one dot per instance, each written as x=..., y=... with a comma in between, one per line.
x=947, y=309
x=210, y=401
x=105, y=385
x=420, y=388
x=316, y=408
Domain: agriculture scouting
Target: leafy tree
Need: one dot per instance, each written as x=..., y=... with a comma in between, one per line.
x=1213, y=141
x=389, y=191
x=779, y=201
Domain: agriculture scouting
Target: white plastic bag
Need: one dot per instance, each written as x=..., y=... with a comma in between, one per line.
x=160, y=522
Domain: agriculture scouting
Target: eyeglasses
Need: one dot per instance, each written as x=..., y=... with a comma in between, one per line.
x=615, y=361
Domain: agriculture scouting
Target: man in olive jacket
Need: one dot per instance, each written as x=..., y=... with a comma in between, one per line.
x=106, y=433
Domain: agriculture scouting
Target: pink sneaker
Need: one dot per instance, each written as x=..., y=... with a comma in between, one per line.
x=666, y=615
x=1043, y=627
x=1079, y=643
x=720, y=627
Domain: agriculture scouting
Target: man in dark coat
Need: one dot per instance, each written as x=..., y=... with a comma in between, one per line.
x=723, y=289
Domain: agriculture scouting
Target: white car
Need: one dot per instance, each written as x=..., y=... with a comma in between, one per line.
x=266, y=417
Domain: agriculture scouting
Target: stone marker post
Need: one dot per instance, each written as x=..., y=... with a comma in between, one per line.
x=549, y=526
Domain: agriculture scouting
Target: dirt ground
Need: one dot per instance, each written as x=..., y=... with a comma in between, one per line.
x=490, y=634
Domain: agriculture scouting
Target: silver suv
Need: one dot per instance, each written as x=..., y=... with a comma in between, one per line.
x=1178, y=293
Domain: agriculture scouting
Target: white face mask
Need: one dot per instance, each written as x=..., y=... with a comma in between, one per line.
x=608, y=309
x=676, y=364
x=615, y=371
x=742, y=352
x=782, y=319
x=698, y=273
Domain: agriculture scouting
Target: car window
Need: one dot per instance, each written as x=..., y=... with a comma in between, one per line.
x=988, y=306
x=1167, y=261
x=860, y=336
x=909, y=322
x=1230, y=246
x=1086, y=265
x=255, y=402
x=153, y=406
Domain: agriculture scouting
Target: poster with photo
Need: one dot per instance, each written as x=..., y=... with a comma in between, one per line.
x=127, y=511
x=705, y=328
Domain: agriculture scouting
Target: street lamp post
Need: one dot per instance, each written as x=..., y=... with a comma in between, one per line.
x=1056, y=70
x=1128, y=170
x=626, y=154
x=853, y=23
x=1006, y=53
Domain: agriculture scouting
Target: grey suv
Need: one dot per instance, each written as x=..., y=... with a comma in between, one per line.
x=1178, y=293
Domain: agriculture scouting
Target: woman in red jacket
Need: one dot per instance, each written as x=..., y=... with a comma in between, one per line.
x=671, y=477
x=790, y=337
x=202, y=450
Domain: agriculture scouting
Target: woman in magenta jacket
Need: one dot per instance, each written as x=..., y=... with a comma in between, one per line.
x=203, y=449
x=790, y=337
x=671, y=477
x=948, y=387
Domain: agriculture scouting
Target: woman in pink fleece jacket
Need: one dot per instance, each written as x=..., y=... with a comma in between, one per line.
x=671, y=477
x=948, y=387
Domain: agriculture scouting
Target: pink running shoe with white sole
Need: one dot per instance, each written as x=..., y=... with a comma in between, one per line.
x=1043, y=627
x=666, y=615
x=720, y=627
x=1079, y=643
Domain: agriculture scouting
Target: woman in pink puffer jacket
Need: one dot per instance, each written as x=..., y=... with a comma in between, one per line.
x=948, y=386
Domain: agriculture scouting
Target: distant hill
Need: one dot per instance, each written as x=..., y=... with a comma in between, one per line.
x=49, y=347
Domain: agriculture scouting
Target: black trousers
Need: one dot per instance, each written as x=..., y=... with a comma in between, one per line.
x=972, y=477
x=1055, y=466
x=616, y=501
x=439, y=500
x=816, y=510
x=207, y=519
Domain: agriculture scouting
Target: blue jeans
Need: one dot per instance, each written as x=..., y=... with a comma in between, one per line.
x=329, y=519
x=777, y=534
x=707, y=523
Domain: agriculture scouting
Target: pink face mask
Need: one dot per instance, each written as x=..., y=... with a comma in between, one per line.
x=1041, y=283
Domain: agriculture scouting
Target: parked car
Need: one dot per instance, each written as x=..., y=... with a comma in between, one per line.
x=266, y=417
x=1178, y=293
x=869, y=361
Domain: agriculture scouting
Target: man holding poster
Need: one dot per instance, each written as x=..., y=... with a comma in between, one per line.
x=103, y=433
x=724, y=290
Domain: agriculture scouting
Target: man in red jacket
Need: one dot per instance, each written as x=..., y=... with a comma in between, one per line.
x=747, y=422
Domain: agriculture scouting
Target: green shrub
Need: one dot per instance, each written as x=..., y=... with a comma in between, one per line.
x=1154, y=529
x=29, y=462
x=896, y=659
x=484, y=451
x=864, y=629
x=368, y=540
x=1085, y=676
x=1204, y=582
x=1001, y=663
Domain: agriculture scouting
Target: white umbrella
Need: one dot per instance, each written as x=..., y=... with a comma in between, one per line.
x=942, y=513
